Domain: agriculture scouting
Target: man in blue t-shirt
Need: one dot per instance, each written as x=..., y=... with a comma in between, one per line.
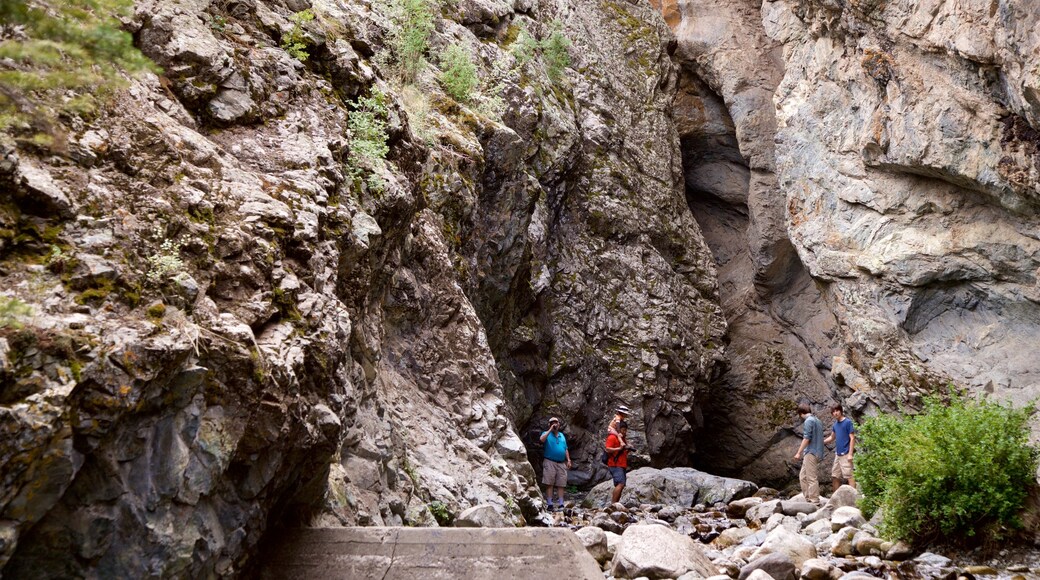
x=844, y=438
x=555, y=463
x=812, y=447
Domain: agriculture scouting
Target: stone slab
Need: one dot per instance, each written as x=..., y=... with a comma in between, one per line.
x=429, y=553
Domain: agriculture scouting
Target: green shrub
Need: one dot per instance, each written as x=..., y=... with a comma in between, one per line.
x=12, y=310
x=441, y=512
x=525, y=48
x=556, y=53
x=960, y=470
x=368, y=139
x=412, y=22
x=295, y=41
x=458, y=73
x=60, y=57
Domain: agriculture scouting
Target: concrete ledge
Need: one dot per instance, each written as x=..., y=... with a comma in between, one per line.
x=434, y=553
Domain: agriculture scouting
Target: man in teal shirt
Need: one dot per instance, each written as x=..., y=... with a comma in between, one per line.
x=812, y=447
x=555, y=463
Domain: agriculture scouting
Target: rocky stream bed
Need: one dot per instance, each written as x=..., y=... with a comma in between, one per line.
x=683, y=523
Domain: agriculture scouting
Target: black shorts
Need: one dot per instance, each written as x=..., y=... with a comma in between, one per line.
x=618, y=473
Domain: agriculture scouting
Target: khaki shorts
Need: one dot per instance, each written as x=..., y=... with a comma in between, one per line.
x=554, y=474
x=842, y=467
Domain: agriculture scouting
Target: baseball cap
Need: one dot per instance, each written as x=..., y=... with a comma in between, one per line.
x=623, y=410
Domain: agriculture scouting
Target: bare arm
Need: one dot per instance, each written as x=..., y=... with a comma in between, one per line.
x=543, y=437
x=852, y=442
x=801, y=448
x=829, y=439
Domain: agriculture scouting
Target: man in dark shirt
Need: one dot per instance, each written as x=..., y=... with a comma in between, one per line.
x=844, y=438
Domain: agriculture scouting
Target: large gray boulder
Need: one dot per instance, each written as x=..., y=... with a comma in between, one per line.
x=778, y=565
x=595, y=541
x=844, y=496
x=481, y=516
x=659, y=552
x=847, y=516
x=783, y=541
x=680, y=486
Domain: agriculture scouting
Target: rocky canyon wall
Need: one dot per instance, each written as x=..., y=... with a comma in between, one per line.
x=866, y=174
x=229, y=330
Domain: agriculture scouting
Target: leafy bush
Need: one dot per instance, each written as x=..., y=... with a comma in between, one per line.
x=957, y=469
x=412, y=23
x=12, y=310
x=554, y=50
x=525, y=48
x=441, y=512
x=556, y=53
x=295, y=41
x=59, y=57
x=368, y=139
x=458, y=73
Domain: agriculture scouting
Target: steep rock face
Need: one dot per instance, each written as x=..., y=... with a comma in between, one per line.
x=595, y=284
x=572, y=240
x=899, y=163
x=780, y=329
x=229, y=332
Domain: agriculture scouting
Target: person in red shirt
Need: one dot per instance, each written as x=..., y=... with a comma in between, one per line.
x=617, y=459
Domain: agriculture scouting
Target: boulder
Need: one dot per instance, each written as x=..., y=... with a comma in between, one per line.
x=659, y=552
x=606, y=523
x=732, y=537
x=759, y=575
x=933, y=560
x=737, y=508
x=823, y=513
x=669, y=513
x=727, y=566
x=844, y=496
x=777, y=565
x=595, y=541
x=783, y=541
x=763, y=510
x=679, y=486
x=847, y=516
x=816, y=569
x=817, y=528
x=481, y=516
x=755, y=539
x=841, y=542
x=613, y=541
x=867, y=545
x=899, y=551
x=38, y=192
x=793, y=508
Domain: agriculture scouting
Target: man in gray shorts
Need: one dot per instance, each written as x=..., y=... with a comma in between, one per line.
x=556, y=462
